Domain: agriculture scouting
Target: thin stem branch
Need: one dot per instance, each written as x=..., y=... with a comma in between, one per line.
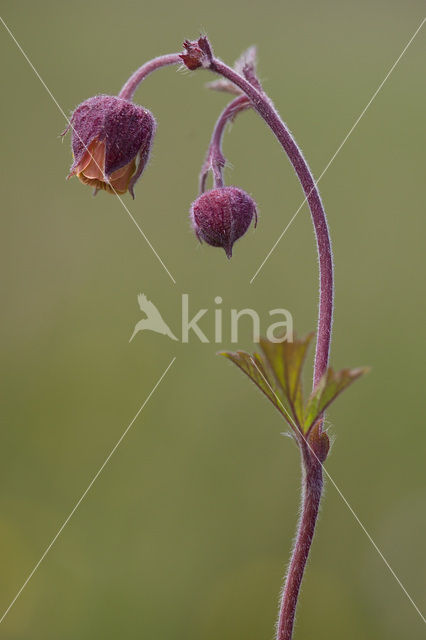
x=215, y=160
x=129, y=88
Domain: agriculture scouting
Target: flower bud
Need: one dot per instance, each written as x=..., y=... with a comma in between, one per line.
x=319, y=442
x=111, y=141
x=198, y=53
x=221, y=216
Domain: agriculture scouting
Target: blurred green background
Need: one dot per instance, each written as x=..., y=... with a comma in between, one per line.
x=186, y=533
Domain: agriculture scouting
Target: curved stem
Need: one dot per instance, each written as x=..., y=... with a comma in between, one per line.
x=215, y=160
x=128, y=90
x=311, y=497
x=265, y=109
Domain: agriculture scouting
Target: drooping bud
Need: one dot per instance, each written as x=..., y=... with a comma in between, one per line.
x=222, y=215
x=111, y=141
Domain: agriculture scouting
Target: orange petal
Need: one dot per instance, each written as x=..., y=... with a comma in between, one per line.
x=120, y=179
x=90, y=170
x=95, y=167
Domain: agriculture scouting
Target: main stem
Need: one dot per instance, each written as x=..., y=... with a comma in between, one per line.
x=311, y=466
x=312, y=484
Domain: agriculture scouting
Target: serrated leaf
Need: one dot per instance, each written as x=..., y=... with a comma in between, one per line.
x=256, y=369
x=277, y=372
x=286, y=360
x=329, y=387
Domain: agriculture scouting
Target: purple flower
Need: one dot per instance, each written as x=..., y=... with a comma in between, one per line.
x=111, y=141
x=221, y=216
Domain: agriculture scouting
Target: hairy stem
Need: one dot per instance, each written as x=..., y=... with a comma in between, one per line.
x=128, y=90
x=311, y=497
x=215, y=160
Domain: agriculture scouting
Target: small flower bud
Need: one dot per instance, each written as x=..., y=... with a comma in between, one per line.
x=111, y=141
x=197, y=53
x=221, y=216
x=319, y=442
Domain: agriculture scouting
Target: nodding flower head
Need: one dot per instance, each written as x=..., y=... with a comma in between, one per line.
x=222, y=215
x=111, y=141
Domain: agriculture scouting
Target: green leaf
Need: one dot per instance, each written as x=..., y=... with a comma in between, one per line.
x=277, y=372
x=329, y=387
x=286, y=360
x=256, y=369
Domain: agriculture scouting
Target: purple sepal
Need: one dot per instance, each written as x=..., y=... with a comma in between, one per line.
x=222, y=215
x=125, y=128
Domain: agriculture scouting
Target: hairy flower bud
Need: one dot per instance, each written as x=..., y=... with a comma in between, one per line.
x=197, y=53
x=222, y=215
x=111, y=141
